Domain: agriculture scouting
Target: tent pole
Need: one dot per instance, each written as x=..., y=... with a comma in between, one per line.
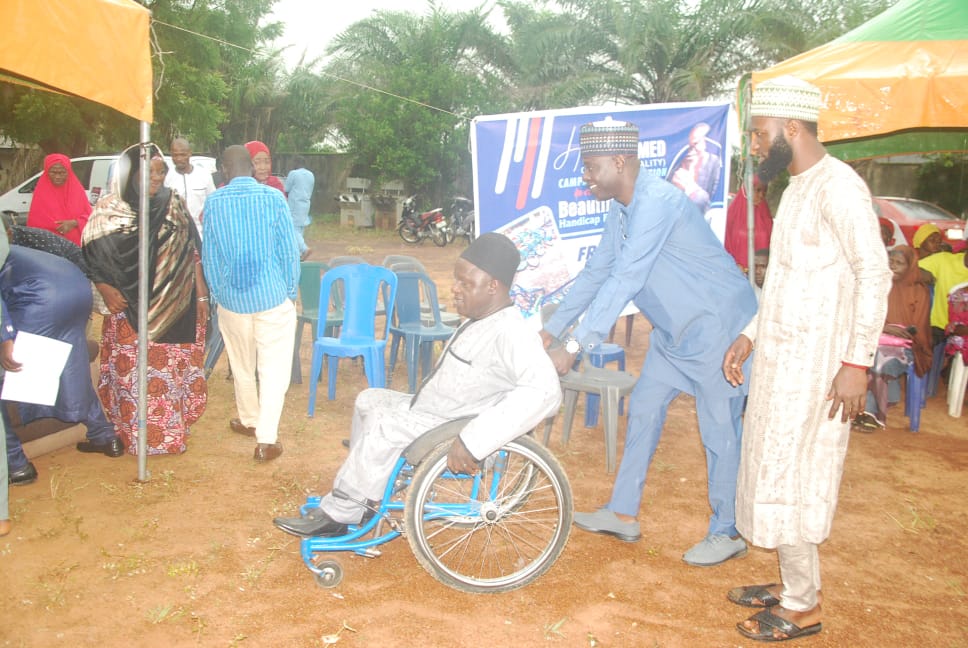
x=745, y=97
x=143, y=241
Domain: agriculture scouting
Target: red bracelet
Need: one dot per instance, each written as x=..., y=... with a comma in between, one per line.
x=855, y=366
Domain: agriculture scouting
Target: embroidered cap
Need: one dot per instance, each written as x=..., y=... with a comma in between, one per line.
x=609, y=137
x=787, y=97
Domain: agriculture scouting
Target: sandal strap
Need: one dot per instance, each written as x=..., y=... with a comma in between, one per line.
x=767, y=618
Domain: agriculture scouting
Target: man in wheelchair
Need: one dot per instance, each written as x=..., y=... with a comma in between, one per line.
x=494, y=367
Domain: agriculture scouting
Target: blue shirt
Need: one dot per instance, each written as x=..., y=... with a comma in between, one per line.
x=660, y=253
x=249, y=251
x=299, y=188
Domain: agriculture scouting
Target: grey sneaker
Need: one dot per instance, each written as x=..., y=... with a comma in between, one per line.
x=604, y=521
x=715, y=550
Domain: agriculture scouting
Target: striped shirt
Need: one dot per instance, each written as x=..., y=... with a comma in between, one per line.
x=249, y=251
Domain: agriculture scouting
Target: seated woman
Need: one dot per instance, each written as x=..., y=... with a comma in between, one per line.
x=906, y=338
x=60, y=203
x=177, y=307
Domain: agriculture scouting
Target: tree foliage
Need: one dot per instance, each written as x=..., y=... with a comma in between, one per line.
x=398, y=89
x=407, y=87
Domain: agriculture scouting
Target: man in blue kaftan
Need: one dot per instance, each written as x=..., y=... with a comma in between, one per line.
x=658, y=252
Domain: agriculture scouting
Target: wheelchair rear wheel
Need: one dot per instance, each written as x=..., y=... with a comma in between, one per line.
x=496, y=531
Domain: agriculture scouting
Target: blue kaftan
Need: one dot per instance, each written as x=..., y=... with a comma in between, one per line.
x=659, y=253
x=47, y=295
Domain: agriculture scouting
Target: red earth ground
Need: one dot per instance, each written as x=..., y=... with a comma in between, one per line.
x=190, y=557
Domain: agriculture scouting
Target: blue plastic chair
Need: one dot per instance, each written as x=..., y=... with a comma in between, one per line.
x=310, y=274
x=363, y=286
x=402, y=263
x=600, y=356
x=412, y=289
x=915, y=397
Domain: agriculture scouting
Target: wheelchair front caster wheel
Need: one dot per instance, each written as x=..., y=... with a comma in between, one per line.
x=330, y=574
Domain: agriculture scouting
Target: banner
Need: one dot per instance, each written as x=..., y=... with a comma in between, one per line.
x=528, y=182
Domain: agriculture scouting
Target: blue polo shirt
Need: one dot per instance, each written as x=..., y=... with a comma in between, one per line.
x=249, y=251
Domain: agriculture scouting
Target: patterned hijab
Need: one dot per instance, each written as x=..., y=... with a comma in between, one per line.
x=111, y=250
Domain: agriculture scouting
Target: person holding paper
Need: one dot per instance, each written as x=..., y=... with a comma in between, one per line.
x=5, y=525
x=47, y=295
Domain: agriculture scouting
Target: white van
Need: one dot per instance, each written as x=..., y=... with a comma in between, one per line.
x=92, y=171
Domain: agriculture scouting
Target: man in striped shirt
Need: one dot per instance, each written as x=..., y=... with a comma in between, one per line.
x=251, y=262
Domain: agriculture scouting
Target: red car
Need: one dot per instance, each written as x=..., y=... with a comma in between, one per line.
x=908, y=214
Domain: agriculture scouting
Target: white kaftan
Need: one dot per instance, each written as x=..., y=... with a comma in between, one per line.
x=824, y=302
x=494, y=369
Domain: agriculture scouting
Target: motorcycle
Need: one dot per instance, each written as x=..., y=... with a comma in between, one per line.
x=461, y=219
x=415, y=227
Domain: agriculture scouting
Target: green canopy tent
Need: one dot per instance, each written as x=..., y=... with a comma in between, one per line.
x=897, y=84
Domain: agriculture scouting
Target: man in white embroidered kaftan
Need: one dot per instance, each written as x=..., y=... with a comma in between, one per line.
x=821, y=312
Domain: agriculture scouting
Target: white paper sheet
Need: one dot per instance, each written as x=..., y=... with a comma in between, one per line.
x=43, y=361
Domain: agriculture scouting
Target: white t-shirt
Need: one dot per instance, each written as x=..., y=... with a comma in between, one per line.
x=194, y=188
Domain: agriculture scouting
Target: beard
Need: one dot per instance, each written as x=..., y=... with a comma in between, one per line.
x=777, y=160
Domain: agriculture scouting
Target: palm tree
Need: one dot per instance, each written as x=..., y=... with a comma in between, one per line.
x=408, y=86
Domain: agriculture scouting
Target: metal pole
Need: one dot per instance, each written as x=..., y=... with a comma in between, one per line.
x=143, y=179
x=745, y=97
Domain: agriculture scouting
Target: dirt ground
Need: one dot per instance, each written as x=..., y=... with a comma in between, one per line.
x=190, y=557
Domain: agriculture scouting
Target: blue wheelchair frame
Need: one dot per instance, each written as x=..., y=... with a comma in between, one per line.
x=364, y=538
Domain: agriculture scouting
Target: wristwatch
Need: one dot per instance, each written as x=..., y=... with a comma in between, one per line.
x=572, y=346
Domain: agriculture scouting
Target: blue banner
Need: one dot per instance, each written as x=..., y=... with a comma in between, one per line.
x=528, y=182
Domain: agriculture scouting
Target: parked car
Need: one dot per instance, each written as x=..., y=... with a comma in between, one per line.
x=93, y=172
x=908, y=214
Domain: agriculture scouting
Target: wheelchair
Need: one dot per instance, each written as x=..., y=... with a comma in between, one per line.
x=495, y=531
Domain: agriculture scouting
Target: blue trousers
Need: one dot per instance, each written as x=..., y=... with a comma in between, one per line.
x=99, y=430
x=4, y=492
x=649, y=403
x=300, y=240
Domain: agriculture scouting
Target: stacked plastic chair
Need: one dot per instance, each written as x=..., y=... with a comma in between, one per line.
x=310, y=275
x=408, y=325
x=957, y=381
x=363, y=285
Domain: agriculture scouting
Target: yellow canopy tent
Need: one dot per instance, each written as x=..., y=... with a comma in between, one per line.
x=97, y=50
x=896, y=84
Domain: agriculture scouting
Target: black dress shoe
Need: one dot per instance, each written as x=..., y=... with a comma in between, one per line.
x=239, y=428
x=316, y=523
x=267, y=451
x=24, y=476
x=112, y=448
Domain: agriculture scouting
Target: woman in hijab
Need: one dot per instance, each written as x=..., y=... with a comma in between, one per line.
x=906, y=338
x=736, y=231
x=177, y=306
x=60, y=203
x=262, y=165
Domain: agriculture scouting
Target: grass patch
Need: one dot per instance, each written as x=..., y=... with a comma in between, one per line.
x=53, y=584
x=914, y=520
x=188, y=568
x=554, y=630
x=125, y=566
x=161, y=613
